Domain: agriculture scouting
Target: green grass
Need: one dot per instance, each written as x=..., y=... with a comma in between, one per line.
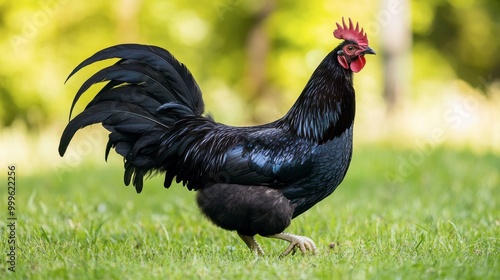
x=439, y=220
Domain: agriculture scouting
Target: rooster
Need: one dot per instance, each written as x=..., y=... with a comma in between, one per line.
x=252, y=180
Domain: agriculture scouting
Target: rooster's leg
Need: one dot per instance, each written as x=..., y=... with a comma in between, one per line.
x=303, y=243
x=252, y=244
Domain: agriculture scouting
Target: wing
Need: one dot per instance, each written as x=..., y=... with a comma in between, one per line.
x=269, y=157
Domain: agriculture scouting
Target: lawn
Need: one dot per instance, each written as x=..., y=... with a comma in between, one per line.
x=400, y=214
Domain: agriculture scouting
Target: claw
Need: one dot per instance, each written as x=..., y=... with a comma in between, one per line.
x=296, y=241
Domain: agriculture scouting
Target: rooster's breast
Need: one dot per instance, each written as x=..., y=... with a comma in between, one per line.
x=330, y=163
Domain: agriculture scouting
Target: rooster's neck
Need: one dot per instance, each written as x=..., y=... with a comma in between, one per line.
x=326, y=107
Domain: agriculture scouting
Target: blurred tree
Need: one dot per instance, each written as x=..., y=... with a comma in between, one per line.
x=396, y=49
x=255, y=52
x=257, y=49
x=127, y=14
x=463, y=32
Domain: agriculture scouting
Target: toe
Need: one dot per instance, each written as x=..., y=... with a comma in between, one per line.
x=303, y=243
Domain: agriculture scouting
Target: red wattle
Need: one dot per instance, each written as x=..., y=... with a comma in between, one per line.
x=358, y=64
x=343, y=61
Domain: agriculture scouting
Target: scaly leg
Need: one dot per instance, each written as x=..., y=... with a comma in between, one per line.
x=252, y=244
x=303, y=243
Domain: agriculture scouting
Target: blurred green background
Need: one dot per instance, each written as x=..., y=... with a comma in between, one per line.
x=420, y=199
x=434, y=81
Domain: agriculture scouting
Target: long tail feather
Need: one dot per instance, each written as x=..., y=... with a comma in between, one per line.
x=98, y=113
x=151, y=81
x=159, y=59
x=147, y=91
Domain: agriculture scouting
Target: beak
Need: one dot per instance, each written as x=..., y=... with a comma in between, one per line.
x=368, y=50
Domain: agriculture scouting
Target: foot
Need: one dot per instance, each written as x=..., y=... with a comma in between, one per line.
x=252, y=244
x=303, y=243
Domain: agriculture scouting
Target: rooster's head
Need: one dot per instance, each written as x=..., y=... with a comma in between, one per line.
x=351, y=54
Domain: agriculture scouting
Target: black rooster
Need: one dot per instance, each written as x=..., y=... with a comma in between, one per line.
x=253, y=180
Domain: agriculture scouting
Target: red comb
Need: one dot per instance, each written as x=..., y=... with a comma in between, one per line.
x=351, y=33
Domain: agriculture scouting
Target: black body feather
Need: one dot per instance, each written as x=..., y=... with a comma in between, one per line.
x=250, y=179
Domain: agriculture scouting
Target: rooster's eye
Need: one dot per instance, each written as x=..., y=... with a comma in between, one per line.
x=349, y=49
